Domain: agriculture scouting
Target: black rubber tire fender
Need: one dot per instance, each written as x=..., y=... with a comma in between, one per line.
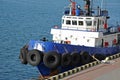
x=100, y=56
x=34, y=57
x=66, y=59
x=52, y=59
x=25, y=47
x=75, y=58
x=85, y=57
x=23, y=56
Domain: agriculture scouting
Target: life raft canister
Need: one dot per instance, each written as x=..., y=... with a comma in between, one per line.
x=51, y=59
x=34, y=57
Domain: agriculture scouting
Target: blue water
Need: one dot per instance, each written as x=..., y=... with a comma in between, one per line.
x=22, y=20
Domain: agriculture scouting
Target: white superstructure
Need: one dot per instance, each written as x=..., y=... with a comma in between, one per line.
x=83, y=23
x=85, y=30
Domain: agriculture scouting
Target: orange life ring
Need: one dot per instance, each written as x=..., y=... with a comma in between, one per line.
x=67, y=42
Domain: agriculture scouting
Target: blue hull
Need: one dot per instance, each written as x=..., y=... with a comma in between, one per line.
x=62, y=48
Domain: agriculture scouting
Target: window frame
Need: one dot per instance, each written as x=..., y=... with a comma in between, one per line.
x=74, y=22
x=90, y=23
x=81, y=23
x=68, y=22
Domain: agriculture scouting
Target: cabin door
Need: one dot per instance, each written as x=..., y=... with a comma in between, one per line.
x=98, y=25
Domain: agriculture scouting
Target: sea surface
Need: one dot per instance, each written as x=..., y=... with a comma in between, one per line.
x=22, y=20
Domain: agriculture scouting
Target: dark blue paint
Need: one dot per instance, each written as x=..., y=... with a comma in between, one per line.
x=67, y=48
x=23, y=20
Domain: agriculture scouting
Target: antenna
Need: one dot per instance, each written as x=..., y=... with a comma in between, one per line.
x=105, y=4
x=101, y=4
x=91, y=7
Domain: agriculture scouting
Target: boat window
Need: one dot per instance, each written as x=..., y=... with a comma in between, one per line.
x=89, y=23
x=68, y=22
x=74, y=22
x=94, y=23
x=80, y=23
x=100, y=22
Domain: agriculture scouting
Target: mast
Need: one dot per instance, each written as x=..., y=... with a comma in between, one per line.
x=88, y=7
x=73, y=7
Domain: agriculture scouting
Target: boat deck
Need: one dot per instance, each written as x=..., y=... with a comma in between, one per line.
x=104, y=71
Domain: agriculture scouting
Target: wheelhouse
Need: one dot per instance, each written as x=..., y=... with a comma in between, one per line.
x=83, y=23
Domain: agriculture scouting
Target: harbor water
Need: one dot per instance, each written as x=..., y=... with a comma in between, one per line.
x=22, y=20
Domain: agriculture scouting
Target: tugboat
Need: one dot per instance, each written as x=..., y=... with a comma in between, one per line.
x=84, y=33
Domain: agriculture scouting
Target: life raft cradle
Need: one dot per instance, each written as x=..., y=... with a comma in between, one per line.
x=53, y=74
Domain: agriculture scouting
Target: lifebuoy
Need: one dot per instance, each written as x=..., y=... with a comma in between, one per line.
x=67, y=42
x=75, y=58
x=34, y=57
x=51, y=59
x=65, y=59
x=100, y=56
x=85, y=57
x=23, y=57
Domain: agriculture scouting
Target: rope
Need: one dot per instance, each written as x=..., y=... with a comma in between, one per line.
x=95, y=58
x=41, y=76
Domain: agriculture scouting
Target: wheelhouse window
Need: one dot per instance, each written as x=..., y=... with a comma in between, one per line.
x=80, y=23
x=74, y=22
x=68, y=22
x=94, y=23
x=100, y=22
x=89, y=23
